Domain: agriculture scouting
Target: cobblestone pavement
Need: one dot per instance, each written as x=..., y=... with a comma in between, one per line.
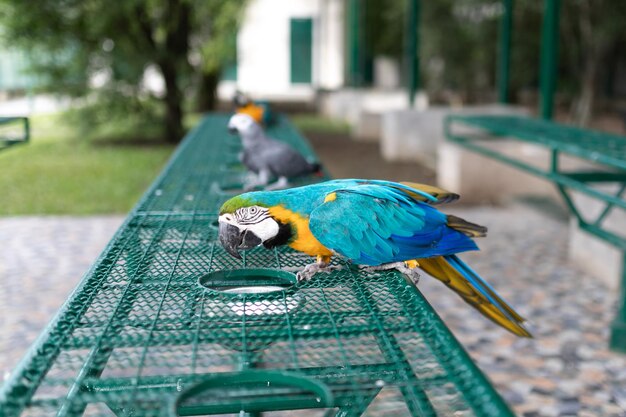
x=565, y=371
x=41, y=261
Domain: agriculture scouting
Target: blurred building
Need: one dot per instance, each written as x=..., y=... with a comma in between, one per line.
x=286, y=51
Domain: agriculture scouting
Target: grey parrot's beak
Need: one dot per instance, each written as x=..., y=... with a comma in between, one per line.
x=232, y=130
x=233, y=239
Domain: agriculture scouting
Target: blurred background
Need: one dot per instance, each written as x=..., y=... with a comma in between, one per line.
x=111, y=88
x=106, y=84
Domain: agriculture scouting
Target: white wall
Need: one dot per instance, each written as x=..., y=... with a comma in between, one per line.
x=330, y=65
x=263, y=49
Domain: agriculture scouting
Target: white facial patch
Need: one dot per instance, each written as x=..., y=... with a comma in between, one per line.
x=266, y=229
x=253, y=218
x=242, y=122
x=228, y=218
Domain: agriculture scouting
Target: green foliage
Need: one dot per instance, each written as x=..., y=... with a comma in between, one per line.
x=219, y=21
x=592, y=32
x=458, y=45
x=526, y=45
x=102, y=48
x=457, y=42
x=116, y=117
x=385, y=25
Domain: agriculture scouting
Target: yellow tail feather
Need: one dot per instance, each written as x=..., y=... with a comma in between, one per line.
x=440, y=194
x=440, y=269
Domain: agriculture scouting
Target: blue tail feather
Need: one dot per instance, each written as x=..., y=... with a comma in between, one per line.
x=479, y=283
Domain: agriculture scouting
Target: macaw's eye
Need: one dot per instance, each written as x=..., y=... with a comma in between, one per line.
x=252, y=210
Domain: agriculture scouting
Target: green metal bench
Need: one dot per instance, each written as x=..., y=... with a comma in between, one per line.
x=10, y=135
x=167, y=323
x=607, y=153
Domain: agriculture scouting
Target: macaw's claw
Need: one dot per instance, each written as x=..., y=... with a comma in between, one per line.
x=409, y=269
x=312, y=269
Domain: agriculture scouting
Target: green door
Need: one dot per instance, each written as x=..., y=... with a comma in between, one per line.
x=301, y=45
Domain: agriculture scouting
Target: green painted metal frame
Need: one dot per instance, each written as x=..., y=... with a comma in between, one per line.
x=143, y=335
x=7, y=142
x=411, y=54
x=504, y=58
x=549, y=57
x=356, y=42
x=607, y=150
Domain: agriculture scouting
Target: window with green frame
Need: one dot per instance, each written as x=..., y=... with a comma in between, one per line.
x=301, y=50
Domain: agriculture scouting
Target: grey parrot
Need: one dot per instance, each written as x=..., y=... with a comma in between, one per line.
x=266, y=157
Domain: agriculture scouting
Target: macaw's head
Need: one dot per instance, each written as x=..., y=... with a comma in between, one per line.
x=245, y=224
x=244, y=125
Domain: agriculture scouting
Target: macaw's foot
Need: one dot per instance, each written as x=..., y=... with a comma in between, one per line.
x=310, y=270
x=322, y=265
x=408, y=268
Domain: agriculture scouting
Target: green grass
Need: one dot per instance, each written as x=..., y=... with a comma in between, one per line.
x=62, y=172
x=310, y=122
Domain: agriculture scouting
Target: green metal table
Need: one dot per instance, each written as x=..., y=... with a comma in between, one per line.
x=11, y=134
x=167, y=323
x=607, y=152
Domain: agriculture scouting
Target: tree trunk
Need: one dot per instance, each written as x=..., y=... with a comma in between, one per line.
x=173, y=63
x=584, y=104
x=173, y=104
x=207, y=91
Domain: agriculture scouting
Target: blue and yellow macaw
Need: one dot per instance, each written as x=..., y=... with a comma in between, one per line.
x=378, y=224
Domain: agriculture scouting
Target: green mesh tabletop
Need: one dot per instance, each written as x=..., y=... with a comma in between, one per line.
x=602, y=176
x=167, y=323
x=604, y=148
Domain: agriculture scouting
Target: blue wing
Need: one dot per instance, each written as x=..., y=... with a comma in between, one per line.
x=374, y=223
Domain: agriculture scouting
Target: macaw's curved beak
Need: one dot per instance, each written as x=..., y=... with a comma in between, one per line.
x=233, y=239
x=232, y=130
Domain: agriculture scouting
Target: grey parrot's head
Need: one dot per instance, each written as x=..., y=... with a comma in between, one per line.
x=244, y=226
x=240, y=99
x=244, y=125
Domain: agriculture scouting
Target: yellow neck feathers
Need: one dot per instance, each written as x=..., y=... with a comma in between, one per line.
x=304, y=241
